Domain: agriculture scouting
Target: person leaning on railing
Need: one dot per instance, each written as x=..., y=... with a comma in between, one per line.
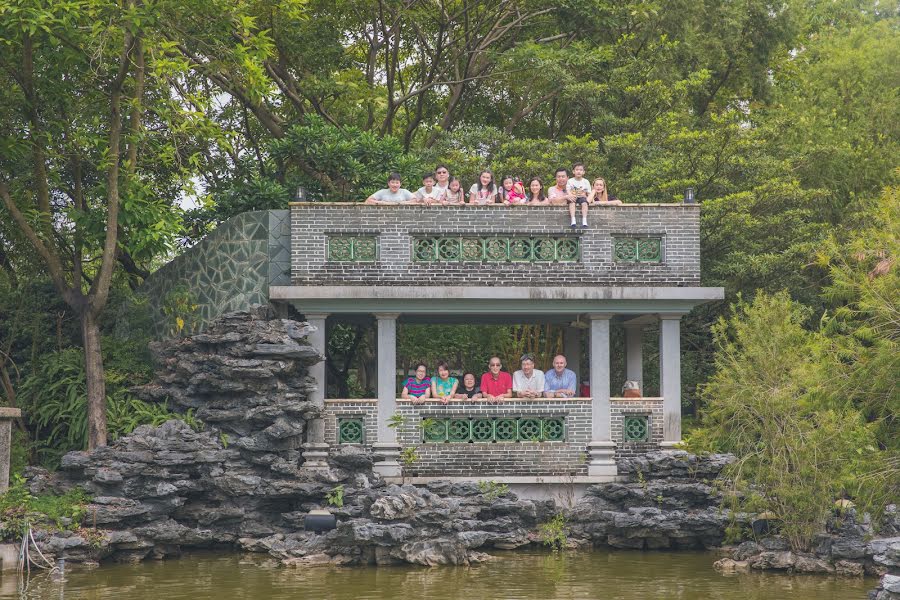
x=496, y=385
x=468, y=390
x=528, y=382
x=418, y=388
x=600, y=195
x=560, y=382
x=443, y=386
x=393, y=194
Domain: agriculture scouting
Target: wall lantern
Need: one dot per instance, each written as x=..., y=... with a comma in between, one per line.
x=301, y=194
x=689, y=196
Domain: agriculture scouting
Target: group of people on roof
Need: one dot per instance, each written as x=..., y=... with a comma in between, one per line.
x=440, y=188
x=496, y=385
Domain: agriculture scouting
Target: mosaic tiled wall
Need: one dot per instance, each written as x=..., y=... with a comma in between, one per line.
x=230, y=269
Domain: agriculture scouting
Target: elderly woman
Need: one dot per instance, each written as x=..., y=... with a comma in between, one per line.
x=468, y=390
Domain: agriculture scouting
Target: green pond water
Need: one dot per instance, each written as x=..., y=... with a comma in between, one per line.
x=532, y=575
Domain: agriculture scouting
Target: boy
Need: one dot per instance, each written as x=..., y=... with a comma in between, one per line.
x=394, y=194
x=429, y=193
x=578, y=189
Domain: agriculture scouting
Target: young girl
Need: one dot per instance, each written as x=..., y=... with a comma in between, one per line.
x=454, y=192
x=600, y=195
x=417, y=388
x=443, y=386
x=505, y=189
x=485, y=191
x=516, y=195
x=536, y=192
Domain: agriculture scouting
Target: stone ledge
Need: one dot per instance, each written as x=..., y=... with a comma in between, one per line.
x=10, y=413
x=513, y=479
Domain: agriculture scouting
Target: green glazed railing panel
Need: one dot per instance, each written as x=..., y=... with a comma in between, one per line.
x=346, y=248
x=482, y=430
x=646, y=250
x=553, y=430
x=529, y=430
x=436, y=431
x=488, y=430
x=505, y=430
x=459, y=430
x=496, y=249
x=350, y=431
x=636, y=429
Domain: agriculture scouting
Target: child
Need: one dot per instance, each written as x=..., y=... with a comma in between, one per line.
x=578, y=188
x=393, y=194
x=505, y=189
x=428, y=193
x=454, y=193
x=517, y=194
x=485, y=191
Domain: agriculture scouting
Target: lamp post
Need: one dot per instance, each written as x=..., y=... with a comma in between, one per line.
x=689, y=196
x=301, y=194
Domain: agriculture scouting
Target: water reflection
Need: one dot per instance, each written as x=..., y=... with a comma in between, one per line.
x=513, y=576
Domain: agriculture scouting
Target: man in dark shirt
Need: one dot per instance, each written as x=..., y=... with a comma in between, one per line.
x=468, y=390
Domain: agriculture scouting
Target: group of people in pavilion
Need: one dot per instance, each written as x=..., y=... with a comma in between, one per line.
x=441, y=188
x=495, y=385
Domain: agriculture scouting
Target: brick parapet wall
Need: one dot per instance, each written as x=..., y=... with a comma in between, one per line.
x=449, y=459
x=394, y=226
x=620, y=408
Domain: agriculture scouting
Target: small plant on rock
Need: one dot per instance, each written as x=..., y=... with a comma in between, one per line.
x=492, y=490
x=554, y=532
x=336, y=497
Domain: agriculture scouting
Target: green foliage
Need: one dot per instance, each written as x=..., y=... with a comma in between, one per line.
x=54, y=396
x=18, y=507
x=492, y=490
x=554, y=533
x=396, y=421
x=409, y=456
x=336, y=497
x=799, y=447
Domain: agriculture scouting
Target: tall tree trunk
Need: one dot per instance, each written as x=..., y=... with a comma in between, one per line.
x=96, y=382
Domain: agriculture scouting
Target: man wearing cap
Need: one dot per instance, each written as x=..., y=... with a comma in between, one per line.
x=528, y=382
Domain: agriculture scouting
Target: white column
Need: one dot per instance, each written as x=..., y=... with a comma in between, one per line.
x=315, y=453
x=6, y=418
x=572, y=351
x=670, y=377
x=634, y=358
x=601, y=449
x=387, y=446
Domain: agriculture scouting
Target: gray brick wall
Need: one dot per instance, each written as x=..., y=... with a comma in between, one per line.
x=620, y=408
x=311, y=224
x=502, y=458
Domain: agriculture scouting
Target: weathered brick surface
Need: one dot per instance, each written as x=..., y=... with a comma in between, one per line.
x=502, y=458
x=394, y=226
x=624, y=407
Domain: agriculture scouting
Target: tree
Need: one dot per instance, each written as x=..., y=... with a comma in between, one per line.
x=90, y=152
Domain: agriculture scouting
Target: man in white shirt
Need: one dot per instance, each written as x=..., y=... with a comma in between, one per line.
x=528, y=382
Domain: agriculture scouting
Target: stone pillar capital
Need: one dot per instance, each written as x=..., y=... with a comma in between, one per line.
x=670, y=316
x=391, y=316
x=315, y=316
x=601, y=316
